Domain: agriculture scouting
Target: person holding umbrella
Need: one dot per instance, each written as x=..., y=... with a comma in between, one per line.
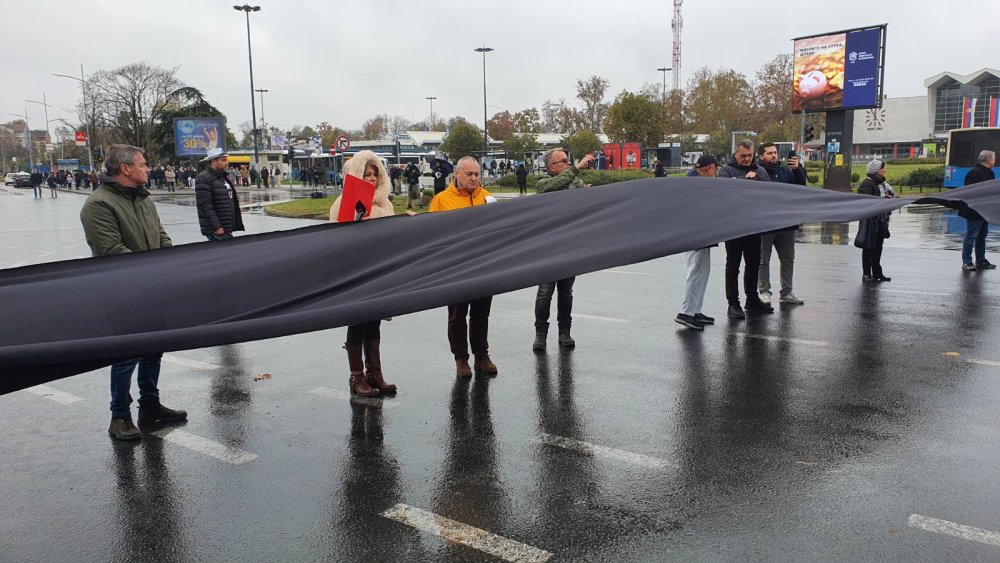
x=441, y=169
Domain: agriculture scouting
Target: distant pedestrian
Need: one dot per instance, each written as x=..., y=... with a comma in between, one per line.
x=120, y=218
x=412, y=175
x=873, y=231
x=36, y=183
x=265, y=175
x=170, y=179
x=699, y=266
x=522, y=179
x=440, y=174
x=276, y=177
x=53, y=183
x=658, y=170
x=977, y=227
x=95, y=181
x=218, y=205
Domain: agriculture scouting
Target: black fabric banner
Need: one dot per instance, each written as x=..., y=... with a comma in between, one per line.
x=325, y=276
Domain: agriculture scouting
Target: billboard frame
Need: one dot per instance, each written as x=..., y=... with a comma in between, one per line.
x=881, y=66
x=223, y=126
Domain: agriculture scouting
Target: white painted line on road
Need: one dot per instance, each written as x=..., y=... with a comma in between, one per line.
x=194, y=364
x=783, y=339
x=625, y=272
x=914, y=292
x=345, y=396
x=983, y=362
x=603, y=451
x=597, y=318
x=51, y=394
x=947, y=528
x=463, y=534
x=205, y=446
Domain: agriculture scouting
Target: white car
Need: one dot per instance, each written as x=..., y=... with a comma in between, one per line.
x=8, y=179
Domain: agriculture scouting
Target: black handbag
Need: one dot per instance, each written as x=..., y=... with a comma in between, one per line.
x=863, y=239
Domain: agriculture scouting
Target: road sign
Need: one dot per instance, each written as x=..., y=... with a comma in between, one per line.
x=333, y=150
x=49, y=147
x=343, y=143
x=81, y=138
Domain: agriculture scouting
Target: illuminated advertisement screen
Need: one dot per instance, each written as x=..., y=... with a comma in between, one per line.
x=194, y=136
x=838, y=71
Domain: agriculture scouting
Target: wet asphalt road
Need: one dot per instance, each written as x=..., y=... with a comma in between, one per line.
x=820, y=432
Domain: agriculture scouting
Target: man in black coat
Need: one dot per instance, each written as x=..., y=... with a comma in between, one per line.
x=218, y=207
x=976, y=226
x=522, y=179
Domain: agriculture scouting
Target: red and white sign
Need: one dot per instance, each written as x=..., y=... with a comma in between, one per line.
x=343, y=143
x=333, y=150
x=81, y=138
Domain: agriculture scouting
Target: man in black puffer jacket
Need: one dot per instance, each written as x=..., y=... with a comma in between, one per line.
x=218, y=206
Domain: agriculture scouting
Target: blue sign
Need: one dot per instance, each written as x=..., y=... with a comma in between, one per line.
x=195, y=136
x=861, y=68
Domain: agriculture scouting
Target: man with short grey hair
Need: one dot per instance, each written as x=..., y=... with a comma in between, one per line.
x=976, y=226
x=119, y=218
x=563, y=175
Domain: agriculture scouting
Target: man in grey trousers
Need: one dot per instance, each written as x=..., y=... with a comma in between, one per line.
x=782, y=240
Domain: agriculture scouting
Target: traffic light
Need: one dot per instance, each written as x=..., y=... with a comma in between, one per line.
x=809, y=133
x=98, y=153
x=290, y=155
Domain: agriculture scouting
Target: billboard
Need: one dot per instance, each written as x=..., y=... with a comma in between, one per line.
x=839, y=71
x=194, y=136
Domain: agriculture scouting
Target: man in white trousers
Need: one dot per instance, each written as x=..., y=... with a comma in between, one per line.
x=699, y=265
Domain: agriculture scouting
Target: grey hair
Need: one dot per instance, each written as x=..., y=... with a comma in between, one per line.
x=471, y=159
x=986, y=156
x=118, y=155
x=746, y=143
x=547, y=157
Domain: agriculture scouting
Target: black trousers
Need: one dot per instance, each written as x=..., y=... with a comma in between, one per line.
x=871, y=260
x=364, y=332
x=564, y=305
x=747, y=249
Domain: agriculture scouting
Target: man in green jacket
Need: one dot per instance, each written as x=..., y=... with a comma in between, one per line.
x=563, y=175
x=119, y=218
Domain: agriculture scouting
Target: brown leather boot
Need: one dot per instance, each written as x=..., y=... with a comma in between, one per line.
x=373, y=373
x=462, y=368
x=484, y=363
x=359, y=386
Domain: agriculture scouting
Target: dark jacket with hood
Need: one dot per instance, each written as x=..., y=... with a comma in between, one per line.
x=733, y=169
x=218, y=205
x=118, y=220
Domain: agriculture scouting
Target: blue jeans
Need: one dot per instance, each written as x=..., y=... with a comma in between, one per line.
x=121, y=382
x=975, y=235
x=564, y=305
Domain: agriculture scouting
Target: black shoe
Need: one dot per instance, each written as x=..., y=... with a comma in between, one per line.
x=986, y=265
x=867, y=279
x=736, y=312
x=123, y=429
x=704, y=319
x=688, y=321
x=159, y=413
x=758, y=307
x=881, y=278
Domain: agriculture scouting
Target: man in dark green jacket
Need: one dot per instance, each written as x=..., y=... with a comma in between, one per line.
x=563, y=175
x=119, y=218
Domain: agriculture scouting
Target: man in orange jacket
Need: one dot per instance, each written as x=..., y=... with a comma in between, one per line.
x=466, y=191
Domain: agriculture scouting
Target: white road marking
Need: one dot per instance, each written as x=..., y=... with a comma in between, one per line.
x=51, y=394
x=625, y=272
x=983, y=362
x=345, y=396
x=914, y=292
x=463, y=534
x=783, y=339
x=194, y=364
x=603, y=451
x=597, y=318
x=947, y=528
x=205, y=446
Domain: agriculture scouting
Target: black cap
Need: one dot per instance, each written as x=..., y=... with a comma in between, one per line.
x=705, y=160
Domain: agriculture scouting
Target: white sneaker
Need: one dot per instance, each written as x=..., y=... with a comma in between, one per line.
x=791, y=299
x=765, y=297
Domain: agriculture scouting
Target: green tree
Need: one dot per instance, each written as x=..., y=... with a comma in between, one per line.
x=182, y=102
x=718, y=101
x=518, y=144
x=581, y=143
x=633, y=117
x=375, y=128
x=527, y=121
x=501, y=125
x=464, y=139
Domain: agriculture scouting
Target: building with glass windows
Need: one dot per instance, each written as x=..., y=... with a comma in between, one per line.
x=945, y=92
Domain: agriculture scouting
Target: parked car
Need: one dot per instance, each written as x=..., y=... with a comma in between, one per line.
x=8, y=179
x=22, y=180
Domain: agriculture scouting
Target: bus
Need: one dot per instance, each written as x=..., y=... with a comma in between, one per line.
x=964, y=146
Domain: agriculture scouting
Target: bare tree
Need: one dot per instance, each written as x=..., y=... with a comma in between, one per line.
x=591, y=92
x=375, y=127
x=124, y=102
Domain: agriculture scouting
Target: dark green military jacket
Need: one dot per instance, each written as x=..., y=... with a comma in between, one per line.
x=118, y=220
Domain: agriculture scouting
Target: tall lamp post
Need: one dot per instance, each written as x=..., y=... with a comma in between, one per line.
x=664, y=70
x=253, y=106
x=263, y=122
x=48, y=133
x=27, y=131
x=486, y=134
x=431, y=99
x=86, y=116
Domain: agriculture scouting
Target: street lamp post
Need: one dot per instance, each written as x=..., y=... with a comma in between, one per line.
x=48, y=134
x=664, y=70
x=253, y=106
x=86, y=115
x=486, y=134
x=431, y=99
x=263, y=122
x=27, y=131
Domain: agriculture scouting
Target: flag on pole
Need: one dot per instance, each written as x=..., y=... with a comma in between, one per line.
x=994, y=117
x=968, y=112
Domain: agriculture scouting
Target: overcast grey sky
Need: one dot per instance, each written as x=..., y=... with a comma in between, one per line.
x=330, y=61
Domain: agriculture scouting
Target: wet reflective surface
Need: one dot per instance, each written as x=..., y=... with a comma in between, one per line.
x=810, y=434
